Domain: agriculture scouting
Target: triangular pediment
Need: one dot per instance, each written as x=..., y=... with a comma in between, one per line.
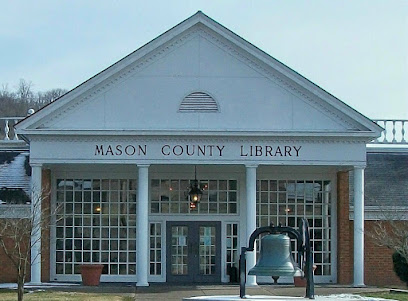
x=199, y=64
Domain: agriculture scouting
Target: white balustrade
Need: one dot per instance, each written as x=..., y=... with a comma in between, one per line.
x=7, y=132
x=395, y=131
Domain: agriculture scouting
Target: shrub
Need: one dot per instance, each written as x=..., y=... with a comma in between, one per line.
x=400, y=267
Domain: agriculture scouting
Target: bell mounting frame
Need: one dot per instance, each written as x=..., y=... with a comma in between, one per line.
x=305, y=253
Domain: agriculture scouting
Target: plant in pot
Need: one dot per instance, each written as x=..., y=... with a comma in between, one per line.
x=91, y=272
x=301, y=281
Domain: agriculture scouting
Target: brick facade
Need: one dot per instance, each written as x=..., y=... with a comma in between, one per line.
x=8, y=271
x=344, y=231
x=378, y=262
x=45, y=247
x=378, y=267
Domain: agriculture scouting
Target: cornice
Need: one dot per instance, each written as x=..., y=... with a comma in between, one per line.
x=195, y=139
x=14, y=145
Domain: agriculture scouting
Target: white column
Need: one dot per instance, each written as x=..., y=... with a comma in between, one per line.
x=36, y=195
x=142, y=235
x=358, y=226
x=250, y=217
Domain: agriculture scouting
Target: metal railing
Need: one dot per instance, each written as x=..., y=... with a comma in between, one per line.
x=395, y=131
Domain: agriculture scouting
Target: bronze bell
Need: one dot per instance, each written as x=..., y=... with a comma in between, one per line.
x=275, y=258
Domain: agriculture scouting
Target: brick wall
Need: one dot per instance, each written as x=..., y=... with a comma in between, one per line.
x=45, y=243
x=8, y=271
x=344, y=235
x=378, y=267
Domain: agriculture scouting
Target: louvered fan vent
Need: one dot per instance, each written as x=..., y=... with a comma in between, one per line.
x=198, y=102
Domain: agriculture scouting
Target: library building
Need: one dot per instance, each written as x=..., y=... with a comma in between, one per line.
x=164, y=163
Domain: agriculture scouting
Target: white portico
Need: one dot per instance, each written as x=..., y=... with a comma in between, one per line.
x=122, y=148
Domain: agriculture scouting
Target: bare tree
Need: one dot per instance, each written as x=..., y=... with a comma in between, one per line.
x=50, y=95
x=24, y=91
x=16, y=103
x=391, y=229
x=5, y=92
x=21, y=233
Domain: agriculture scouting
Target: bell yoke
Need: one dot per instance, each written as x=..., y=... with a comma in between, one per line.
x=276, y=257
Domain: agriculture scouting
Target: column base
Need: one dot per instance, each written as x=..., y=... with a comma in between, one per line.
x=359, y=285
x=34, y=283
x=142, y=284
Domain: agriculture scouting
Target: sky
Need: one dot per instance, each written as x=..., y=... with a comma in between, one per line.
x=356, y=50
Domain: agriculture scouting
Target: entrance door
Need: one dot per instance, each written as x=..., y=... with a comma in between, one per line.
x=193, y=252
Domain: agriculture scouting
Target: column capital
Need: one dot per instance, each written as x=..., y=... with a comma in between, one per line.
x=251, y=165
x=146, y=165
x=36, y=164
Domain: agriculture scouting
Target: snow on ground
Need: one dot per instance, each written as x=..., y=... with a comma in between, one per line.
x=340, y=297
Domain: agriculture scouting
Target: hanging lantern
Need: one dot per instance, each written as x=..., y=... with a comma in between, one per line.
x=194, y=192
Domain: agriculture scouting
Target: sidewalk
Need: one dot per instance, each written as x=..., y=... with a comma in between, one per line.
x=178, y=292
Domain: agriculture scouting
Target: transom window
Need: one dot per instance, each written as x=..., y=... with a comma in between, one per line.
x=171, y=196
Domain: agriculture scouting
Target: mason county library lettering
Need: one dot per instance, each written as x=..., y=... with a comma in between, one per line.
x=269, y=151
x=196, y=150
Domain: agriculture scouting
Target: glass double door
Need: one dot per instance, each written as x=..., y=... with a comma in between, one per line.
x=193, y=252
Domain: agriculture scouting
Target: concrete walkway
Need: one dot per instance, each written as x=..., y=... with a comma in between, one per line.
x=180, y=292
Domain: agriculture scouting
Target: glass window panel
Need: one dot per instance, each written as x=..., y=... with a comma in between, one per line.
x=213, y=197
x=232, y=208
x=84, y=196
x=222, y=185
x=297, y=199
x=222, y=197
x=282, y=185
x=173, y=197
x=122, y=269
x=105, y=184
x=232, y=196
x=213, y=208
x=68, y=268
x=69, y=196
x=132, y=269
x=174, y=208
x=232, y=185
x=154, y=207
x=59, y=268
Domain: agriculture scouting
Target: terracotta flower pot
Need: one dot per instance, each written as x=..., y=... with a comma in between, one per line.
x=91, y=274
x=300, y=281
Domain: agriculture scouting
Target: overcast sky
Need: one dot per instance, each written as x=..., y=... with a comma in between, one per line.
x=356, y=50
